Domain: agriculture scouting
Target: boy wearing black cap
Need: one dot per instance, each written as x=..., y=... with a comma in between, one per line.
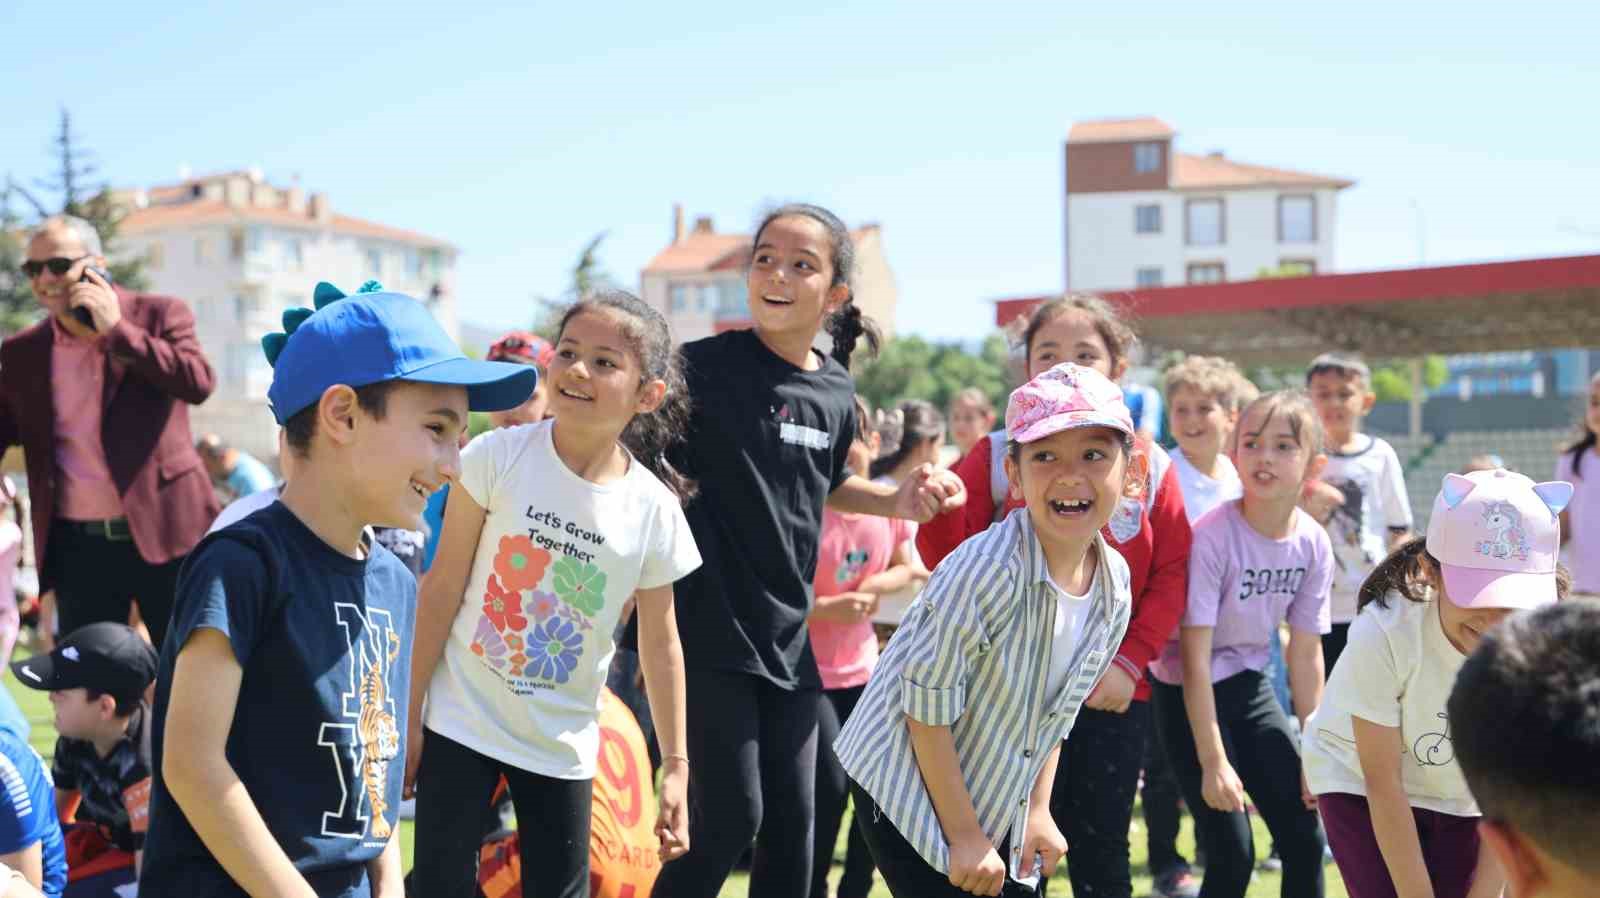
x=284, y=679
x=97, y=677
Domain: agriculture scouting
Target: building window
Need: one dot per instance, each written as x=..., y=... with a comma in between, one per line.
x=375, y=262
x=296, y=251
x=1206, y=273
x=155, y=256
x=236, y=244
x=1146, y=158
x=1297, y=219
x=1148, y=277
x=1297, y=266
x=680, y=297
x=202, y=251
x=1204, y=223
x=1147, y=219
x=731, y=298
x=413, y=263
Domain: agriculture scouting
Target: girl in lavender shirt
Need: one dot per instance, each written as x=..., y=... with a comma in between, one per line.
x=1255, y=561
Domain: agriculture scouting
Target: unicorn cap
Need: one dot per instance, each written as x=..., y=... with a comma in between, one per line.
x=1496, y=535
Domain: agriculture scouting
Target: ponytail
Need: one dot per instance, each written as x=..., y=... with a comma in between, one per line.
x=846, y=326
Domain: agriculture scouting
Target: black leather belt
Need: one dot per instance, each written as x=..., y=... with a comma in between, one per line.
x=115, y=530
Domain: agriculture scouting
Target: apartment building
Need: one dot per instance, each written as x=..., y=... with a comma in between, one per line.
x=1139, y=213
x=240, y=250
x=698, y=281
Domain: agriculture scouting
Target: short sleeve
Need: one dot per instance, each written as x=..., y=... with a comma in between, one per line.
x=1392, y=486
x=842, y=439
x=1311, y=609
x=944, y=633
x=1367, y=682
x=225, y=587
x=1208, y=571
x=480, y=465
x=673, y=553
x=61, y=773
x=20, y=814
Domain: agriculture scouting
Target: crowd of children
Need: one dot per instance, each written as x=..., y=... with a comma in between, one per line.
x=1243, y=623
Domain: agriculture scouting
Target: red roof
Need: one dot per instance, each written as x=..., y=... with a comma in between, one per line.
x=1120, y=130
x=1533, y=304
x=1214, y=171
x=215, y=211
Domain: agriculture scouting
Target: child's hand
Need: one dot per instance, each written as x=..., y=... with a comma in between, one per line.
x=976, y=867
x=928, y=492
x=1114, y=692
x=1041, y=838
x=1221, y=788
x=672, y=820
x=846, y=607
x=408, y=788
x=1320, y=499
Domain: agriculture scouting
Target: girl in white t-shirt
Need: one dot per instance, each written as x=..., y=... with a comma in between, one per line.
x=1378, y=754
x=550, y=529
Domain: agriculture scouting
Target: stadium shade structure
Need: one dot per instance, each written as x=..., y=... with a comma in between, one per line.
x=1494, y=307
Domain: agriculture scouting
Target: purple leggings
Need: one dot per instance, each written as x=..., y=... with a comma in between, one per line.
x=1449, y=847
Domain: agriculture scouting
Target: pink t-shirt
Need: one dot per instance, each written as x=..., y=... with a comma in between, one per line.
x=1583, y=514
x=853, y=547
x=84, y=488
x=1242, y=584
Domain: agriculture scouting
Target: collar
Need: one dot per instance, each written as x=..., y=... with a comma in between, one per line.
x=60, y=336
x=1039, y=570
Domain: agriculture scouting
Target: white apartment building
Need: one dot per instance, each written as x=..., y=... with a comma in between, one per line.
x=698, y=281
x=1141, y=214
x=239, y=251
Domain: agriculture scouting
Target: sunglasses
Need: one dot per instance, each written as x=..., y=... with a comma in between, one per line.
x=58, y=266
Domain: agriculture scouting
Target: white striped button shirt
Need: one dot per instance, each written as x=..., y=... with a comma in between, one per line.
x=973, y=654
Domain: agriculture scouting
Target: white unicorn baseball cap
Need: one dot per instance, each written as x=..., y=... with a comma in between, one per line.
x=1496, y=535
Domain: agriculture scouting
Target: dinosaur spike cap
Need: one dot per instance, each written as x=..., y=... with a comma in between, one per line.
x=374, y=336
x=1496, y=535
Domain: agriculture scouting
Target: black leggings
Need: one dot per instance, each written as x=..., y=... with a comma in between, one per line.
x=904, y=871
x=1092, y=798
x=1333, y=646
x=752, y=775
x=1264, y=752
x=833, y=790
x=454, y=784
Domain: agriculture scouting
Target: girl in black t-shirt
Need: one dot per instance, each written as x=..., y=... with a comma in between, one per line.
x=772, y=423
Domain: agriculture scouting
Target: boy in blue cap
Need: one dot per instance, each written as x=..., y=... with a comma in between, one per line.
x=284, y=677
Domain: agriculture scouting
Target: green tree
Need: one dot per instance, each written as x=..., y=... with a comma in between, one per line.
x=912, y=368
x=72, y=189
x=586, y=275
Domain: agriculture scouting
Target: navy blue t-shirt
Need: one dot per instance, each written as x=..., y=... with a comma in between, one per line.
x=318, y=736
x=28, y=811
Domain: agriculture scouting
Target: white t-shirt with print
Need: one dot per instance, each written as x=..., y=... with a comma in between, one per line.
x=1396, y=671
x=528, y=652
x=1374, y=488
x=1201, y=492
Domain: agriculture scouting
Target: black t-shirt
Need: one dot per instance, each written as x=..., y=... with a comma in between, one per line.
x=324, y=641
x=767, y=441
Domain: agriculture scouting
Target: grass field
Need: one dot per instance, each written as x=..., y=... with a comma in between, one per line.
x=36, y=706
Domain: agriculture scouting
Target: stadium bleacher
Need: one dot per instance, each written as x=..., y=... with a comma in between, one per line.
x=1530, y=452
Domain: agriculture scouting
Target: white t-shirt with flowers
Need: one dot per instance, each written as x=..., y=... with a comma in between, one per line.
x=529, y=649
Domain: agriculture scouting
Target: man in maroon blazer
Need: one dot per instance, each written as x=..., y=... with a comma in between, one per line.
x=101, y=410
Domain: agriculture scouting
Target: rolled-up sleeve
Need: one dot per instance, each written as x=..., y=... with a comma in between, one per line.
x=947, y=634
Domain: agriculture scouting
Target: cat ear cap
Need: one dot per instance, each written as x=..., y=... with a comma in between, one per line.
x=375, y=336
x=1496, y=535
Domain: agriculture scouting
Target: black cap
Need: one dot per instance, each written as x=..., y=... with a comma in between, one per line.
x=107, y=657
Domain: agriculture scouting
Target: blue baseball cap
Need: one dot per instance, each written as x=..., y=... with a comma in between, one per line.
x=374, y=336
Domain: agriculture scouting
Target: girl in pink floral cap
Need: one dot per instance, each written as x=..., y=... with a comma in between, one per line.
x=952, y=749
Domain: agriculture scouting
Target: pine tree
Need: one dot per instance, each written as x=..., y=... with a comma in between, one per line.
x=77, y=193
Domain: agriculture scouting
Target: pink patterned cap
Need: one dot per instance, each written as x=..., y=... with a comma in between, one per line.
x=1064, y=397
x=1496, y=535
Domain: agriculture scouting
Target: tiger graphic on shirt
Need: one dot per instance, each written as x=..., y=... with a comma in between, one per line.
x=380, y=737
x=366, y=737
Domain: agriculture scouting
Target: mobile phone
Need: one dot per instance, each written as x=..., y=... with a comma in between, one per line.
x=81, y=313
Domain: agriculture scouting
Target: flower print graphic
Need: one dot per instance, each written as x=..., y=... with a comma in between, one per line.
x=543, y=604
x=553, y=650
x=580, y=585
x=488, y=645
x=519, y=564
x=503, y=608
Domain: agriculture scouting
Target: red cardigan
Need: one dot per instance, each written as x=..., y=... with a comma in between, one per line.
x=1159, y=568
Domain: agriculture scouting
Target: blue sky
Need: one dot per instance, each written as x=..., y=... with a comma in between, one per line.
x=519, y=132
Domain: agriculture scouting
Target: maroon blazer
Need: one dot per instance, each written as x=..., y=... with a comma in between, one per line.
x=159, y=371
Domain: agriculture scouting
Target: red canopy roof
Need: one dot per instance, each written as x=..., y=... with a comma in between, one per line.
x=1534, y=304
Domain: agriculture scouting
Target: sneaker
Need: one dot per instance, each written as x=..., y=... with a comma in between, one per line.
x=1178, y=882
x=1271, y=863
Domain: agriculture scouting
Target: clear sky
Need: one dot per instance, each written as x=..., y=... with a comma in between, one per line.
x=518, y=133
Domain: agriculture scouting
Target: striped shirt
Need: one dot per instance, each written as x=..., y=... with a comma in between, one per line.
x=973, y=654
